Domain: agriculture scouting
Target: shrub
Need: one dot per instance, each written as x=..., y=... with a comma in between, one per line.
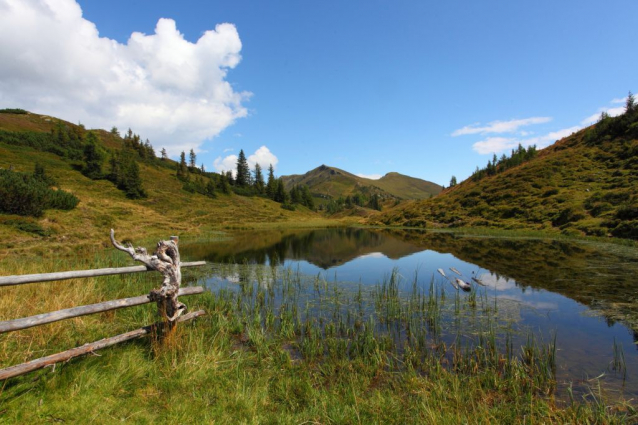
x=25, y=194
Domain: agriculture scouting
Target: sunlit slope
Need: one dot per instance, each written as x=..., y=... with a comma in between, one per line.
x=168, y=209
x=333, y=182
x=586, y=183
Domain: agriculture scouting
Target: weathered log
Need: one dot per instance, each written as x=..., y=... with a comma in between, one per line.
x=23, y=368
x=166, y=261
x=55, y=316
x=73, y=274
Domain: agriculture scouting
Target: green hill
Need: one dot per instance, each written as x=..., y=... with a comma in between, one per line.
x=331, y=182
x=25, y=139
x=583, y=184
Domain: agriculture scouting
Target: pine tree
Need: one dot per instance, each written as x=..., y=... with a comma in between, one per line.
x=92, y=158
x=280, y=193
x=259, y=184
x=164, y=154
x=308, y=200
x=242, y=177
x=229, y=177
x=453, y=181
x=210, y=188
x=193, y=159
x=182, y=170
x=225, y=184
x=630, y=105
x=115, y=131
x=271, y=186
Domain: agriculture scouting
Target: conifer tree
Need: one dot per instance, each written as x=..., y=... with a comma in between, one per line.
x=453, y=181
x=271, y=186
x=164, y=154
x=630, y=104
x=280, y=194
x=242, y=178
x=225, y=184
x=182, y=170
x=307, y=197
x=259, y=184
x=229, y=177
x=193, y=159
x=92, y=158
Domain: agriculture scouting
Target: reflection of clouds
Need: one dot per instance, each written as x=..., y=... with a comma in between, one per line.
x=372, y=255
x=265, y=280
x=497, y=282
x=539, y=305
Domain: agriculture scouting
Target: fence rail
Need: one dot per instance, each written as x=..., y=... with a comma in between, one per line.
x=48, y=277
x=42, y=319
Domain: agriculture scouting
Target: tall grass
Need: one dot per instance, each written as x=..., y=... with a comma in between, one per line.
x=281, y=347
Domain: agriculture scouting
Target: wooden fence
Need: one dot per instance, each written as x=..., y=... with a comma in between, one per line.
x=42, y=319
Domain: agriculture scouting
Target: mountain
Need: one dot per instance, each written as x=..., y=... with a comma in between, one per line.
x=332, y=182
x=171, y=207
x=583, y=184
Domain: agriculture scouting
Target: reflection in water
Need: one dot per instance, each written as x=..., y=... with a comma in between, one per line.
x=557, y=285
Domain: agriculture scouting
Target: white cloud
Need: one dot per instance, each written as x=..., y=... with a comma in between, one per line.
x=500, y=144
x=262, y=156
x=612, y=112
x=164, y=87
x=500, y=126
x=370, y=176
x=494, y=145
x=228, y=150
x=228, y=163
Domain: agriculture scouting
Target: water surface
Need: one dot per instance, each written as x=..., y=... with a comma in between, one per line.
x=581, y=293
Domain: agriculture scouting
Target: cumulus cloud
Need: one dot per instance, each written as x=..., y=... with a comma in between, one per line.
x=164, y=87
x=500, y=144
x=498, y=127
x=262, y=156
x=370, y=176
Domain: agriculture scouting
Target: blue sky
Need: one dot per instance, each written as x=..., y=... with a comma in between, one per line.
x=426, y=89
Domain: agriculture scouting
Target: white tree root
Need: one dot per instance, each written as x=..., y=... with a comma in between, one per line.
x=166, y=261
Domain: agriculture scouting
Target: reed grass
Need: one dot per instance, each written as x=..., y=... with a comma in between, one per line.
x=281, y=347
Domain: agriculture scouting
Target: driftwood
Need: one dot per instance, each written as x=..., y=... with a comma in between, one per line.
x=166, y=261
x=42, y=319
x=23, y=368
x=73, y=274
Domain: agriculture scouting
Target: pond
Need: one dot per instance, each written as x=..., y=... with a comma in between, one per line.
x=581, y=295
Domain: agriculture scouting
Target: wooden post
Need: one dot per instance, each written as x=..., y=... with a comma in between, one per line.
x=166, y=261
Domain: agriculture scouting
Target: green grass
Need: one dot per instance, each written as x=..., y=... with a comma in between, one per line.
x=280, y=347
x=581, y=185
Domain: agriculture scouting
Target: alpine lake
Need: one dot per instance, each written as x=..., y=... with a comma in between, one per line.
x=576, y=301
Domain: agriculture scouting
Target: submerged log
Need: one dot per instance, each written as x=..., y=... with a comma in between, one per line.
x=55, y=316
x=166, y=261
x=23, y=368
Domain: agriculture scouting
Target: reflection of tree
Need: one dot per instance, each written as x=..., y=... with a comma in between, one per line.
x=324, y=248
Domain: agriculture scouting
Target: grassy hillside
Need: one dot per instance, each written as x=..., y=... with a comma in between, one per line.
x=167, y=210
x=331, y=182
x=406, y=187
x=583, y=184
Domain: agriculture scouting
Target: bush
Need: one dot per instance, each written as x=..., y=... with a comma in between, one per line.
x=16, y=111
x=24, y=194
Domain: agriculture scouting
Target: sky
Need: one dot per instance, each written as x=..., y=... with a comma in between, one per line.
x=427, y=89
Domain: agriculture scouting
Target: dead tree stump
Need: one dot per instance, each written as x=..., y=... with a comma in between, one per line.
x=166, y=261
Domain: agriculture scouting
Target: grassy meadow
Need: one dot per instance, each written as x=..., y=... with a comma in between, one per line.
x=280, y=347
